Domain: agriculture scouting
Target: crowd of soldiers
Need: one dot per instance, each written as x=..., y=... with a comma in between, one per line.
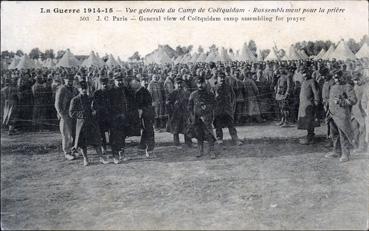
x=100, y=106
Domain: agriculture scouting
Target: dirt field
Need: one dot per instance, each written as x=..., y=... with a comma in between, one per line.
x=270, y=182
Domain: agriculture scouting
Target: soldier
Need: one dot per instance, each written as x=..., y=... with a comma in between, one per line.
x=87, y=129
x=146, y=114
x=328, y=83
x=341, y=98
x=283, y=90
x=358, y=114
x=157, y=93
x=63, y=96
x=224, y=109
x=119, y=118
x=102, y=106
x=309, y=99
x=10, y=114
x=201, y=108
x=40, y=106
x=177, y=107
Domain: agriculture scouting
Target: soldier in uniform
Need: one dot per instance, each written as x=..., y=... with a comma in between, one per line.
x=283, y=90
x=146, y=114
x=63, y=96
x=224, y=109
x=119, y=118
x=156, y=90
x=177, y=107
x=358, y=114
x=10, y=114
x=341, y=99
x=201, y=108
x=87, y=129
x=309, y=99
x=101, y=104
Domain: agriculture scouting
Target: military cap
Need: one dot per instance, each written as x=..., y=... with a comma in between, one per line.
x=117, y=75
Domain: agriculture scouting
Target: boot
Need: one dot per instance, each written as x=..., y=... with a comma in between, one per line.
x=200, y=148
x=85, y=161
x=344, y=158
x=103, y=161
x=331, y=155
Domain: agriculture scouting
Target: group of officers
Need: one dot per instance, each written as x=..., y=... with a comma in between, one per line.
x=106, y=107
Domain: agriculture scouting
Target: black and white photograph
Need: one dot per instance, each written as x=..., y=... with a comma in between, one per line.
x=184, y=115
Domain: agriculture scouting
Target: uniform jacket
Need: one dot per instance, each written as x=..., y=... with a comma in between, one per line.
x=63, y=96
x=309, y=97
x=87, y=130
x=177, y=107
x=225, y=100
x=341, y=99
x=283, y=87
x=102, y=105
x=358, y=112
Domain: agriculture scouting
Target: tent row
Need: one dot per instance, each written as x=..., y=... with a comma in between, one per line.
x=166, y=55
x=67, y=60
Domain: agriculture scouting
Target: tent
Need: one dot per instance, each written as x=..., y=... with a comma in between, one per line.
x=342, y=52
x=101, y=61
x=271, y=56
x=259, y=56
x=14, y=63
x=302, y=54
x=328, y=53
x=187, y=58
x=37, y=63
x=119, y=61
x=25, y=63
x=224, y=57
x=363, y=52
x=212, y=57
x=92, y=60
x=158, y=56
x=246, y=54
x=201, y=58
x=194, y=58
x=49, y=63
x=285, y=58
x=177, y=59
x=320, y=54
x=68, y=60
x=111, y=62
x=293, y=54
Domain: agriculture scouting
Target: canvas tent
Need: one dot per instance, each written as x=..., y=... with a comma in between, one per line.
x=303, y=55
x=320, y=54
x=158, y=56
x=49, y=63
x=259, y=57
x=14, y=63
x=293, y=54
x=68, y=60
x=271, y=56
x=246, y=54
x=224, y=57
x=111, y=62
x=342, y=52
x=101, y=61
x=363, y=52
x=201, y=58
x=25, y=63
x=212, y=57
x=194, y=58
x=92, y=60
x=328, y=53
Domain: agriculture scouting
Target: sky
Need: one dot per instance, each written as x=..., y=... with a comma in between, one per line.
x=24, y=27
